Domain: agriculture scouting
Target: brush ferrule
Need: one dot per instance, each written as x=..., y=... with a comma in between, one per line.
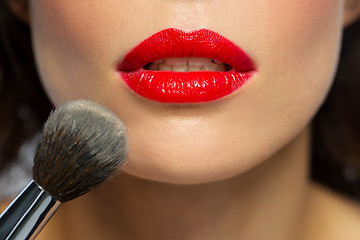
x=27, y=214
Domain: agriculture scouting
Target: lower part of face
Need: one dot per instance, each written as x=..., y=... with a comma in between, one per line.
x=294, y=45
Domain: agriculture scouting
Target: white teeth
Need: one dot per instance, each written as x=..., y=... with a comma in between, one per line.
x=198, y=61
x=164, y=67
x=175, y=61
x=212, y=67
x=195, y=68
x=189, y=64
x=180, y=68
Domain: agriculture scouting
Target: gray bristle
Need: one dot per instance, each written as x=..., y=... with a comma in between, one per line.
x=81, y=145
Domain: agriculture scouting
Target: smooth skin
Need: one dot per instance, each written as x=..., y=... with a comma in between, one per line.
x=231, y=169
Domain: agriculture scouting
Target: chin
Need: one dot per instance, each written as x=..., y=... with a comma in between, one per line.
x=183, y=176
x=186, y=172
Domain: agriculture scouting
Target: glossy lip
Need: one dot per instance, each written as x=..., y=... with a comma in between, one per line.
x=186, y=87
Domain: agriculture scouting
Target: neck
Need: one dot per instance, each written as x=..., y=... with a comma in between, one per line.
x=267, y=202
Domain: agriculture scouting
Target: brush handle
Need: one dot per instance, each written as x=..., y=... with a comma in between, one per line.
x=27, y=214
x=15, y=211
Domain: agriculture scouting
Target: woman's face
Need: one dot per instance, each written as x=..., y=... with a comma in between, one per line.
x=293, y=46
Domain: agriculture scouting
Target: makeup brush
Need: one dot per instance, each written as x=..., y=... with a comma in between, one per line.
x=81, y=145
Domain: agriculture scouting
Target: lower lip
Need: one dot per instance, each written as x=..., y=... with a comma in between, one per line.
x=185, y=87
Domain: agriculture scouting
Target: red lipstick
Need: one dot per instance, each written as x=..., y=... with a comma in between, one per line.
x=185, y=87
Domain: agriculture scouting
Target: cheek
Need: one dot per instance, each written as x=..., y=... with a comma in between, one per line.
x=297, y=47
x=76, y=45
x=302, y=52
x=296, y=44
x=302, y=33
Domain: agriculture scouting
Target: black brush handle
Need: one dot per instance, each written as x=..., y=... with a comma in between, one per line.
x=28, y=214
x=33, y=221
x=16, y=210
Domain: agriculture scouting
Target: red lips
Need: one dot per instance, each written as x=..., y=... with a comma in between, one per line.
x=185, y=87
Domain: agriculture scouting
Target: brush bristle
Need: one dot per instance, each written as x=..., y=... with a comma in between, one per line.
x=81, y=145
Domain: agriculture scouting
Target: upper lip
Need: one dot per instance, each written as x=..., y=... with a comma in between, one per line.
x=178, y=43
